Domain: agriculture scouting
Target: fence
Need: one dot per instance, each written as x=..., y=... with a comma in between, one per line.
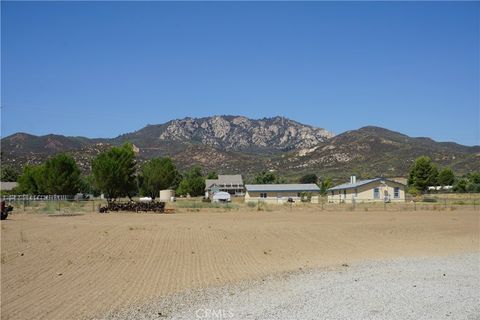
x=426, y=202
x=52, y=203
x=439, y=205
x=69, y=204
x=23, y=197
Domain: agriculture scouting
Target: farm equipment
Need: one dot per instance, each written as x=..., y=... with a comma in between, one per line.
x=5, y=210
x=134, y=207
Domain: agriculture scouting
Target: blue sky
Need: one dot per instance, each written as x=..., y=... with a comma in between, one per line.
x=100, y=69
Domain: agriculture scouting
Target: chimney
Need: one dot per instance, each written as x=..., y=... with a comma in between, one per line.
x=353, y=179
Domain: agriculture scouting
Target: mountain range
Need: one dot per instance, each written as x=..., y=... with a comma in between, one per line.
x=236, y=144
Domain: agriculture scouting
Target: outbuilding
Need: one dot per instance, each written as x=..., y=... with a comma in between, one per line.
x=8, y=186
x=370, y=190
x=279, y=193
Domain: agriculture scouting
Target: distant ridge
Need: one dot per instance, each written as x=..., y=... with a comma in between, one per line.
x=236, y=144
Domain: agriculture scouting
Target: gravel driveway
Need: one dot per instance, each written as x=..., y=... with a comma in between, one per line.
x=404, y=288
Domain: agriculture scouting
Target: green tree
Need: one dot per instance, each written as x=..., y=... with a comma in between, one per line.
x=474, y=177
x=473, y=184
x=265, y=177
x=460, y=185
x=61, y=175
x=114, y=172
x=212, y=175
x=309, y=178
x=325, y=185
x=87, y=185
x=157, y=174
x=8, y=174
x=32, y=180
x=192, y=183
x=423, y=174
x=183, y=188
x=446, y=177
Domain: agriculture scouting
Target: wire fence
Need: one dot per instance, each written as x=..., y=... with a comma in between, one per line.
x=69, y=204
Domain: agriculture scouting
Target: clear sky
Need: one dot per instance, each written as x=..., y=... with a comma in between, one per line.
x=100, y=69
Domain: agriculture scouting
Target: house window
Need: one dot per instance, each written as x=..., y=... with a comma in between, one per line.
x=376, y=193
x=263, y=194
x=356, y=192
x=396, y=192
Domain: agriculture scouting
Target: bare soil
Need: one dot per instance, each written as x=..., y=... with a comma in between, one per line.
x=81, y=266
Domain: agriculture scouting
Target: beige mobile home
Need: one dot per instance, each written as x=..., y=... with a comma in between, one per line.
x=279, y=193
x=371, y=190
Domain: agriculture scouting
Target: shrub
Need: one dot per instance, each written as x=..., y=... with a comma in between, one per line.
x=251, y=204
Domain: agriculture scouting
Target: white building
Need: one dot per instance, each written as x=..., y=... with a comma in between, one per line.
x=279, y=193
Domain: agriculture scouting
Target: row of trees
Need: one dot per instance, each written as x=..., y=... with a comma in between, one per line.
x=114, y=173
x=424, y=173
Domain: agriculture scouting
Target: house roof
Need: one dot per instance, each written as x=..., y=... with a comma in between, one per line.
x=282, y=187
x=225, y=179
x=359, y=183
x=7, y=186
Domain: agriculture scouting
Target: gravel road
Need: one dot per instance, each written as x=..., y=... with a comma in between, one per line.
x=405, y=288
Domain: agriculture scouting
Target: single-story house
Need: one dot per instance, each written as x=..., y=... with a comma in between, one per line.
x=232, y=183
x=8, y=186
x=278, y=193
x=377, y=189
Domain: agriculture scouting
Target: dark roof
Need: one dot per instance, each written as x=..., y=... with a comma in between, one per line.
x=224, y=179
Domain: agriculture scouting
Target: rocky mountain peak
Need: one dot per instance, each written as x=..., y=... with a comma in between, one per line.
x=240, y=133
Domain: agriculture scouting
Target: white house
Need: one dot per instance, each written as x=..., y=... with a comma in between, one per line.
x=279, y=193
x=371, y=190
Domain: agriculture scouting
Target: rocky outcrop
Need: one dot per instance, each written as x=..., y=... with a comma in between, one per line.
x=236, y=133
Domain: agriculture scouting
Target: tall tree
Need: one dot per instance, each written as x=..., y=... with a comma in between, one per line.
x=326, y=184
x=62, y=175
x=114, y=172
x=446, y=177
x=32, y=180
x=423, y=174
x=192, y=183
x=157, y=174
x=265, y=177
x=212, y=175
x=309, y=178
x=473, y=184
